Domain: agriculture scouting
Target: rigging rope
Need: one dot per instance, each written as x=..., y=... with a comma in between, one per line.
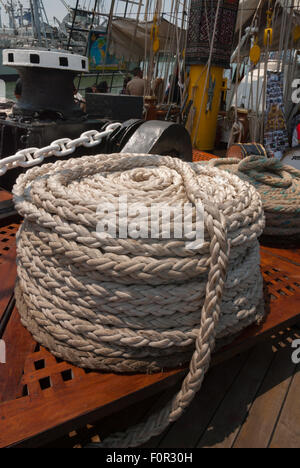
x=136, y=305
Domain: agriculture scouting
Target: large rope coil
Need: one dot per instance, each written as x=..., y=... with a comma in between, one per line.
x=128, y=304
x=279, y=187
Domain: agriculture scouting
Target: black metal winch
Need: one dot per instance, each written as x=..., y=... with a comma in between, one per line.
x=47, y=111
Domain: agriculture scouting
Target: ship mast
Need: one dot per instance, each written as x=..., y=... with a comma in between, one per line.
x=21, y=19
x=208, y=54
x=36, y=20
x=11, y=15
x=37, y=11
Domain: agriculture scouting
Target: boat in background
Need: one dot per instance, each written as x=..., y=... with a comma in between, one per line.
x=29, y=27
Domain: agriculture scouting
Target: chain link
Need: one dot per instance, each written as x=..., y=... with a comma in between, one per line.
x=30, y=157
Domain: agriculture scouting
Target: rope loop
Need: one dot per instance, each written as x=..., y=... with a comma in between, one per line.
x=278, y=185
x=259, y=168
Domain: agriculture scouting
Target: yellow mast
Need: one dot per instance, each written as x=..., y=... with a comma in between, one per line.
x=209, y=44
x=204, y=126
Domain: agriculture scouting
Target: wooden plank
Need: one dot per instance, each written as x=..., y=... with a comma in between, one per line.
x=283, y=313
x=257, y=430
x=134, y=414
x=185, y=432
x=69, y=417
x=169, y=439
x=7, y=210
x=283, y=263
x=20, y=419
x=100, y=430
x=18, y=344
x=93, y=404
x=287, y=432
x=8, y=272
x=160, y=403
x=231, y=414
x=93, y=397
x=4, y=195
x=292, y=255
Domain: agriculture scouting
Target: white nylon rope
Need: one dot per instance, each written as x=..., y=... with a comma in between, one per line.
x=136, y=305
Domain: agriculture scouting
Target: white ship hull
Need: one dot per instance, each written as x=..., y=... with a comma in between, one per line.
x=7, y=73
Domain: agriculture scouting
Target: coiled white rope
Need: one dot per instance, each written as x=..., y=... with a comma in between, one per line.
x=278, y=185
x=136, y=304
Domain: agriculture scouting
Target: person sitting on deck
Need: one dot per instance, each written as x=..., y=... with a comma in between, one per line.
x=136, y=86
x=127, y=79
x=102, y=87
x=78, y=98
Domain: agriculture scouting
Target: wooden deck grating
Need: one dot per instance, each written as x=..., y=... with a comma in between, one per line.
x=251, y=401
x=7, y=240
x=249, y=397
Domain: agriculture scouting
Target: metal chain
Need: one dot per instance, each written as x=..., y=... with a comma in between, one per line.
x=30, y=157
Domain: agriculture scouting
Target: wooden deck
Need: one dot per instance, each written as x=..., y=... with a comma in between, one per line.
x=251, y=401
x=249, y=397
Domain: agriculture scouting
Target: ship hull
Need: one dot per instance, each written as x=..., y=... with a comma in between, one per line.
x=7, y=73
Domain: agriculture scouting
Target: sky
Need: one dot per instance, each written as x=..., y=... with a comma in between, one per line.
x=55, y=8
x=52, y=7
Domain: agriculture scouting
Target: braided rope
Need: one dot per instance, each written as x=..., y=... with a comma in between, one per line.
x=136, y=305
x=278, y=185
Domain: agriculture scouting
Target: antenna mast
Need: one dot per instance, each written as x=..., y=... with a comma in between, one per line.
x=37, y=10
